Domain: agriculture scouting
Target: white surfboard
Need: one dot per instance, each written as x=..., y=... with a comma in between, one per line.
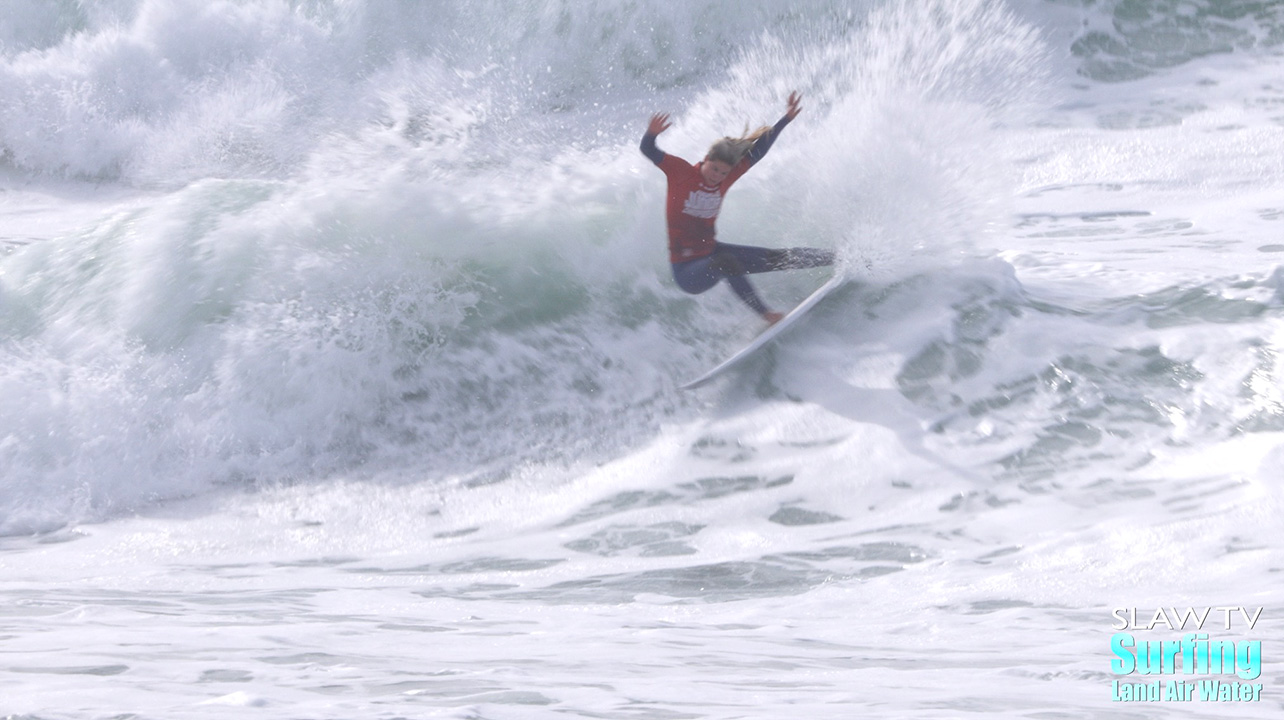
x=766, y=336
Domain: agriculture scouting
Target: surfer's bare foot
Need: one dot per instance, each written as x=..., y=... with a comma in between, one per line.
x=772, y=317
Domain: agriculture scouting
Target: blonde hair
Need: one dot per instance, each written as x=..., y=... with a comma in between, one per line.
x=732, y=150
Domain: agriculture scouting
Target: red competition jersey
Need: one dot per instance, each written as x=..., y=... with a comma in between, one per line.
x=692, y=207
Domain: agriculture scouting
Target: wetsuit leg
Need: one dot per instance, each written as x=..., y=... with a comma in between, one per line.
x=697, y=276
x=733, y=262
x=746, y=292
x=759, y=260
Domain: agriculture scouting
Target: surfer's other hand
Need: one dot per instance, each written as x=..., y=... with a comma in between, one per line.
x=772, y=317
x=795, y=105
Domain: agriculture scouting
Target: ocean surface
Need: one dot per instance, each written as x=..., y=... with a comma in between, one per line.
x=340, y=360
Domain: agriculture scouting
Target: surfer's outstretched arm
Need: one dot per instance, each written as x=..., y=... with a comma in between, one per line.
x=659, y=123
x=763, y=144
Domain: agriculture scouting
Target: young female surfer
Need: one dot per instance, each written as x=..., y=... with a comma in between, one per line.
x=694, y=198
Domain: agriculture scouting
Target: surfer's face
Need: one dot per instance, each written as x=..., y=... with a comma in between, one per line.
x=714, y=171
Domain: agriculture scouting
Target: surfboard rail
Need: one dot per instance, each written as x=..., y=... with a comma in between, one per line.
x=765, y=337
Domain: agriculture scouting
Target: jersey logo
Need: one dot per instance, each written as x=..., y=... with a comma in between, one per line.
x=702, y=204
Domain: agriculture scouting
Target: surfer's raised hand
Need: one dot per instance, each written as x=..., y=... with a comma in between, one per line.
x=659, y=123
x=772, y=317
x=794, y=107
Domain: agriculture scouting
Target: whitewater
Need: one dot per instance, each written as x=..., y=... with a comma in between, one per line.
x=340, y=361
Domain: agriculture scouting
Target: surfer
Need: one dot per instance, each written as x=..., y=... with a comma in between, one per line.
x=694, y=198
